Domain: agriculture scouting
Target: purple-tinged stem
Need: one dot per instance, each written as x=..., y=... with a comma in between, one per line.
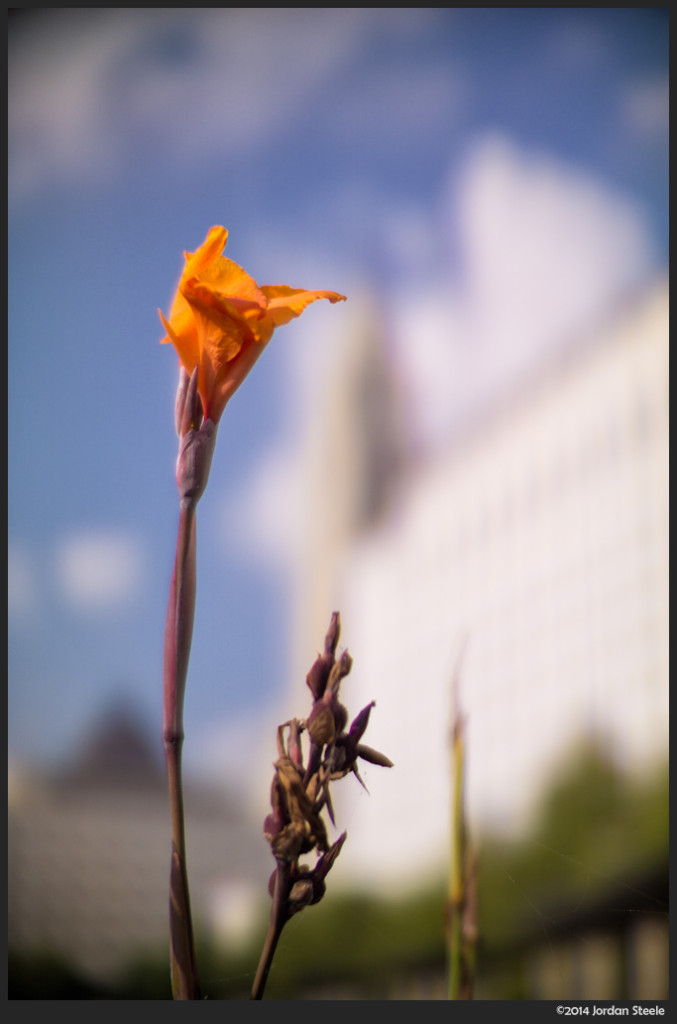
x=278, y=919
x=178, y=636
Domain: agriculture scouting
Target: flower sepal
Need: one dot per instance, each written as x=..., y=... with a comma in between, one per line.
x=194, y=462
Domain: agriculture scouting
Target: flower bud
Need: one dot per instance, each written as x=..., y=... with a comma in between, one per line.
x=373, y=756
x=194, y=462
x=339, y=670
x=359, y=724
x=333, y=633
x=316, y=680
x=288, y=844
x=302, y=894
x=321, y=725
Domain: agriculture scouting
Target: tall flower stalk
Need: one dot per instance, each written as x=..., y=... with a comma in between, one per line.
x=462, y=902
x=300, y=793
x=196, y=448
x=219, y=323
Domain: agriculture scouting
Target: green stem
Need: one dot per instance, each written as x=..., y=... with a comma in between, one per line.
x=458, y=850
x=178, y=637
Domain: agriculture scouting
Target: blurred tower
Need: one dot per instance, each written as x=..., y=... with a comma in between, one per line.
x=357, y=452
x=540, y=535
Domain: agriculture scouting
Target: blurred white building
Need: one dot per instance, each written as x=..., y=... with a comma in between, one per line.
x=529, y=562
x=89, y=855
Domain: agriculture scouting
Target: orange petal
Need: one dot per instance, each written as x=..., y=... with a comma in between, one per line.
x=226, y=280
x=221, y=335
x=232, y=293
x=211, y=249
x=182, y=319
x=184, y=340
x=285, y=303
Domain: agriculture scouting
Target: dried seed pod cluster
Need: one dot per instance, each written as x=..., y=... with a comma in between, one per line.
x=300, y=791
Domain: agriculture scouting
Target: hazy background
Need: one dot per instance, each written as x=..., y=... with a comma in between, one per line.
x=424, y=154
x=488, y=183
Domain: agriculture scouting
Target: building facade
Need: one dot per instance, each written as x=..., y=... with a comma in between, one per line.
x=89, y=856
x=521, y=577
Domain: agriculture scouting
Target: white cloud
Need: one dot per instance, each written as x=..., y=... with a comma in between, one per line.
x=546, y=243
x=57, y=120
x=99, y=571
x=86, y=86
x=547, y=252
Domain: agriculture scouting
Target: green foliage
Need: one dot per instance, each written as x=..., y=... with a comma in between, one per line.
x=358, y=938
x=147, y=977
x=594, y=828
x=46, y=976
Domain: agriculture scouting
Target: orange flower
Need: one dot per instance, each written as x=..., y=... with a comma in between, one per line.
x=221, y=320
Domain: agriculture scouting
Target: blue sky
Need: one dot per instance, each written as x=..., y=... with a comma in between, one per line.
x=497, y=177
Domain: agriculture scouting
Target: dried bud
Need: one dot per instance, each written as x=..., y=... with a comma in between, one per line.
x=340, y=716
x=374, y=756
x=318, y=676
x=310, y=886
x=287, y=845
x=316, y=680
x=359, y=724
x=327, y=859
x=321, y=730
x=299, y=796
x=275, y=821
x=302, y=894
x=340, y=669
x=321, y=724
x=272, y=826
x=347, y=749
x=333, y=633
